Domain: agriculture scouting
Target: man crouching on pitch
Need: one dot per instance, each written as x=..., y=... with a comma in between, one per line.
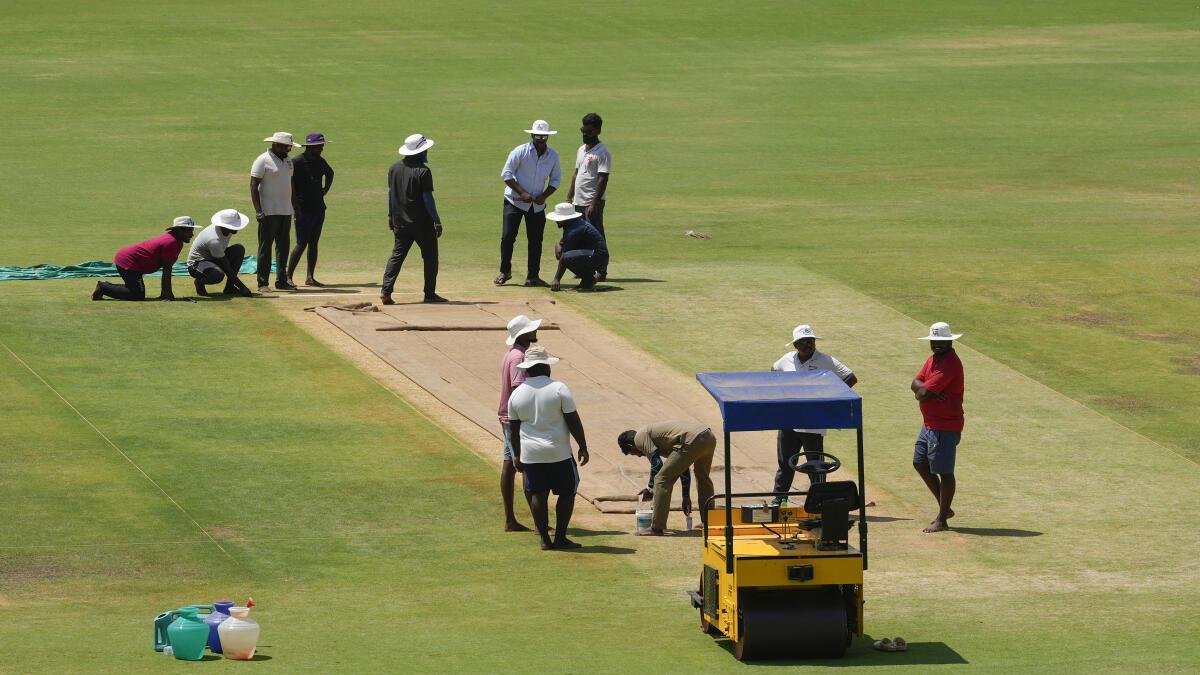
x=541, y=414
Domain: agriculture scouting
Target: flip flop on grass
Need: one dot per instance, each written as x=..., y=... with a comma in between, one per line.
x=890, y=645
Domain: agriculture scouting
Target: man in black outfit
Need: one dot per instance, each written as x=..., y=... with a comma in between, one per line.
x=311, y=179
x=412, y=217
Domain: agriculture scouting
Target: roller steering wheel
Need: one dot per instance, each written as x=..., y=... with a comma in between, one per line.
x=815, y=467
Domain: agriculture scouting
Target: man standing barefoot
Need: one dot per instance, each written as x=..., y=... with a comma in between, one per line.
x=522, y=332
x=939, y=389
x=542, y=419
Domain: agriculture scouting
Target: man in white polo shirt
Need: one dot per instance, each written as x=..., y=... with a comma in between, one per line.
x=590, y=181
x=271, y=193
x=791, y=441
x=541, y=418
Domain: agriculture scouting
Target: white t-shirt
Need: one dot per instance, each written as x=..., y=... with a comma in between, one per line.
x=540, y=404
x=275, y=192
x=590, y=164
x=819, y=361
x=208, y=245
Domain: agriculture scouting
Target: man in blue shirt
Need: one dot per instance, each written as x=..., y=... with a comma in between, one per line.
x=582, y=249
x=531, y=174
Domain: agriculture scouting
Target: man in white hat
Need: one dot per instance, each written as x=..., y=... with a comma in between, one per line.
x=582, y=248
x=589, y=183
x=412, y=217
x=522, y=332
x=790, y=442
x=531, y=174
x=271, y=194
x=541, y=414
x=212, y=260
x=135, y=261
x=939, y=389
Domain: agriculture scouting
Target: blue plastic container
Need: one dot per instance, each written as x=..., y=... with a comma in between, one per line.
x=220, y=613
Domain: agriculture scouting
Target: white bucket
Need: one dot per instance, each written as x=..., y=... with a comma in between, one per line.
x=645, y=518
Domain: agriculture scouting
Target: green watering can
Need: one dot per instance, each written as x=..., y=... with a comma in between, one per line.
x=163, y=621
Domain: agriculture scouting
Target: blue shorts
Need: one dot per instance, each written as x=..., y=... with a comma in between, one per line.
x=507, y=442
x=937, y=448
x=562, y=478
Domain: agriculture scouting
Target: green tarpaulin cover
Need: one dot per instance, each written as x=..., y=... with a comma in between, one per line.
x=98, y=268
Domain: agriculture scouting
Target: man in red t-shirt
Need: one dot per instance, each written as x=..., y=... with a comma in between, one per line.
x=939, y=389
x=134, y=262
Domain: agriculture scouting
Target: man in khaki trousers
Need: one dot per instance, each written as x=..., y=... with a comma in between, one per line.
x=680, y=445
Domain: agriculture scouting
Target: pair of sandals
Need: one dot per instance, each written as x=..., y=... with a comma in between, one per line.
x=896, y=644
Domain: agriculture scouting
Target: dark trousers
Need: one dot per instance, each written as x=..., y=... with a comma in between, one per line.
x=273, y=231
x=788, y=445
x=308, y=234
x=597, y=221
x=209, y=273
x=535, y=227
x=405, y=238
x=134, y=288
x=584, y=264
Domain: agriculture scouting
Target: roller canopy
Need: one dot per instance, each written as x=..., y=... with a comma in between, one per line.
x=790, y=400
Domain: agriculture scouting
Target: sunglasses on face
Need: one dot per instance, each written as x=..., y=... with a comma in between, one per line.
x=536, y=137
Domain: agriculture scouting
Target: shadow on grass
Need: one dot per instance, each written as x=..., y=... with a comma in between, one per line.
x=451, y=303
x=861, y=653
x=593, y=533
x=995, y=531
x=633, y=280
x=260, y=657
x=884, y=519
x=324, y=286
x=311, y=290
x=613, y=550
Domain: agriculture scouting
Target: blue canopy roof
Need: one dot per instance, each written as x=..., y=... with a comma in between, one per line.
x=792, y=400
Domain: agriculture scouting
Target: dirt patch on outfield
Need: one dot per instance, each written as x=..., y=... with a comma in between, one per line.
x=35, y=569
x=1091, y=319
x=1170, y=338
x=1126, y=404
x=1188, y=365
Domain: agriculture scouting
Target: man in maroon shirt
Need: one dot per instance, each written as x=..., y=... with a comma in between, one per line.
x=939, y=389
x=522, y=332
x=134, y=262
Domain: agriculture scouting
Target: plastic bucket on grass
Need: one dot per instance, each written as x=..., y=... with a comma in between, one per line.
x=645, y=518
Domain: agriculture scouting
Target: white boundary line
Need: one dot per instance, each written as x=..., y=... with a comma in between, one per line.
x=119, y=451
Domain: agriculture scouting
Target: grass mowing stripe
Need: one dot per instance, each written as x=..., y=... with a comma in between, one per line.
x=121, y=452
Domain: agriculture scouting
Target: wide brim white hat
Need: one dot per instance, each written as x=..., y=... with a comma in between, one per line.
x=415, y=145
x=519, y=326
x=563, y=211
x=183, y=221
x=225, y=218
x=282, y=137
x=941, y=331
x=803, y=331
x=540, y=128
x=535, y=356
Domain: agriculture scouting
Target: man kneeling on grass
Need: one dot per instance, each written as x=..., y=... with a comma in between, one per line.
x=541, y=413
x=680, y=445
x=136, y=261
x=212, y=260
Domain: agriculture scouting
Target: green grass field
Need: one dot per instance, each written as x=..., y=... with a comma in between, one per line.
x=1024, y=171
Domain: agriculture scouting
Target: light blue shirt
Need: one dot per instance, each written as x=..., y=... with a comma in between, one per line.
x=531, y=172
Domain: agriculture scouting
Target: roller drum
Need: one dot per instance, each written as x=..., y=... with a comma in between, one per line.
x=792, y=624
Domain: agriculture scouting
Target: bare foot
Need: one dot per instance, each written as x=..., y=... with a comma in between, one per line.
x=514, y=526
x=937, y=526
x=564, y=543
